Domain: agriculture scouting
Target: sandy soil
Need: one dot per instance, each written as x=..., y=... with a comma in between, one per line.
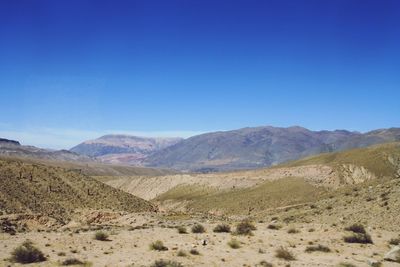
x=129, y=244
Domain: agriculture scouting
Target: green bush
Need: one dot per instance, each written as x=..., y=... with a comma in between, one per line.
x=158, y=245
x=198, y=228
x=222, y=228
x=27, y=253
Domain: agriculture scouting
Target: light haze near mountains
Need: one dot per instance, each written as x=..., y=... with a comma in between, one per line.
x=70, y=68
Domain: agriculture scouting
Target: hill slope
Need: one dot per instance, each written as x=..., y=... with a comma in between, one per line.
x=294, y=183
x=15, y=149
x=260, y=147
x=57, y=192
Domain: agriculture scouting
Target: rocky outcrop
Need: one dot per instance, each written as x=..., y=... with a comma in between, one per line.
x=393, y=255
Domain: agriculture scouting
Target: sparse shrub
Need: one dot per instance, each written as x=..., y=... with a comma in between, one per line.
x=265, y=264
x=27, y=253
x=101, y=236
x=356, y=228
x=293, y=231
x=194, y=251
x=222, y=228
x=283, y=253
x=182, y=253
x=394, y=241
x=358, y=238
x=165, y=263
x=318, y=248
x=345, y=264
x=158, y=245
x=274, y=227
x=198, y=228
x=72, y=261
x=234, y=244
x=245, y=228
x=61, y=254
x=182, y=230
x=359, y=235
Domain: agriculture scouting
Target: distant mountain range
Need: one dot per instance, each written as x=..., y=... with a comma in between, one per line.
x=15, y=149
x=124, y=149
x=245, y=148
x=229, y=150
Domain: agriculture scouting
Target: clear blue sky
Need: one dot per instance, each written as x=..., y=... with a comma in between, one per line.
x=75, y=69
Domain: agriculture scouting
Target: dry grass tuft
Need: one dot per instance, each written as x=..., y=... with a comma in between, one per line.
x=158, y=245
x=198, y=229
x=283, y=253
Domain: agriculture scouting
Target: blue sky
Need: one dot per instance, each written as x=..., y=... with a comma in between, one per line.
x=73, y=70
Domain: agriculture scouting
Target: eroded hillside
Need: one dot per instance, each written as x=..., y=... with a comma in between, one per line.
x=57, y=192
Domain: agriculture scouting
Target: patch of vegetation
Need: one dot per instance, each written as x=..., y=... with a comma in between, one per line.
x=235, y=244
x=394, y=241
x=264, y=264
x=345, y=264
x=359, y=235
x=27, y=253
x=73, y=261
x=293, y=231
x=182, y=253
x=358, y=238
x=165, y=263
x=198, y=228
x=222, y=228
x=356, y=228
x=182, y=230
x=274, y=226
x=158, y=245
x=320, y=248
x=101, y=236
x=283, y=253
x=194, y=251
x=245, y=228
